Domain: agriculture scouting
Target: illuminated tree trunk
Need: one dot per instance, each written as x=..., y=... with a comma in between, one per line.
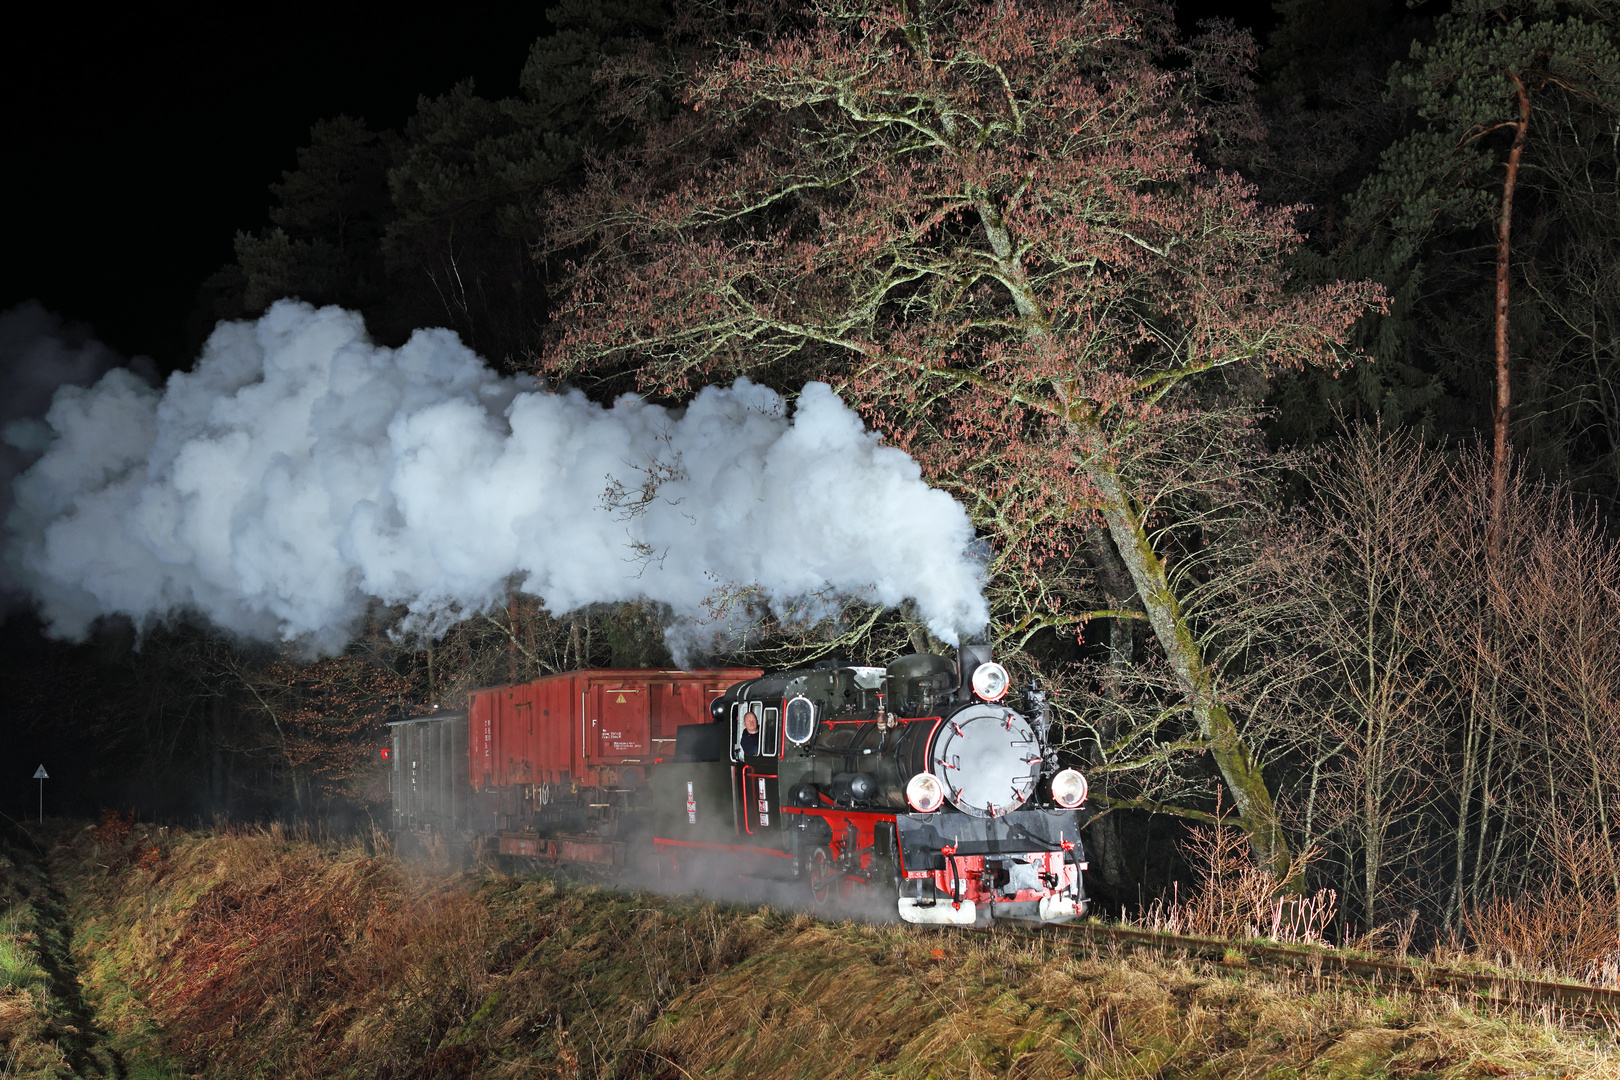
x=1129, y=532
x=1226, y=745
x=1502, y=448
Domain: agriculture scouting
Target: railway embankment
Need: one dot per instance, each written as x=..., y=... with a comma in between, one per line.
x=238, y=953
x=49, y=1026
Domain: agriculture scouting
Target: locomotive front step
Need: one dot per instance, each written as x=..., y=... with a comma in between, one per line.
x=939, y=912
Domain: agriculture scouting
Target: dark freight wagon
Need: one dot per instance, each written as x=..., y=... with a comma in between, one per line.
x=429, y=777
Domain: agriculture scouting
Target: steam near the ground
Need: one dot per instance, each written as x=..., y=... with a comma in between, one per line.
x=300, y=470
x=38, y=354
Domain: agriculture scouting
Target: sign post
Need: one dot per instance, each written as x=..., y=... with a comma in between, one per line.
x=41, y=775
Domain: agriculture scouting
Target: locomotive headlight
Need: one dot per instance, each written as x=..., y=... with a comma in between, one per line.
x=1069, y=788
x=925, y=793
x=990, y=681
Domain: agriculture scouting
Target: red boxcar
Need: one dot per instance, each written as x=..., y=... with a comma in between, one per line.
x=555, y=764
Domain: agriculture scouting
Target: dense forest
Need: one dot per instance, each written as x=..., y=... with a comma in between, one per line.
x=1281, y=378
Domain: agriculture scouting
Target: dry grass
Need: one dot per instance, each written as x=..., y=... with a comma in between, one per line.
x=45, y=1031
x=1560, y=933
x=263, y=953
x=847, y=1001
x=1235, y=898
x=1568, y=927
x=28, y=1024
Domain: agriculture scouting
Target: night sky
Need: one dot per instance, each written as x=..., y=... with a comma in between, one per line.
x=138, y=144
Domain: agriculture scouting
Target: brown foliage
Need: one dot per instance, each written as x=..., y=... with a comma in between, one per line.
x=995, y=229
x=1461, y=701
x=1556, y=931
x=114, y=828
x=260, y=952
x=310, y=938
x=1236, y=898
x=1568, y=926
x=915, y=203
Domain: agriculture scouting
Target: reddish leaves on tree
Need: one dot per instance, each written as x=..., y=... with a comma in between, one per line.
x=993, y=226
x=327, y=714
x=999, y=230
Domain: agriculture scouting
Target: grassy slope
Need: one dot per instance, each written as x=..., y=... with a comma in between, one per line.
x=47, y=1027
x=29, y=1026
x=256, y=954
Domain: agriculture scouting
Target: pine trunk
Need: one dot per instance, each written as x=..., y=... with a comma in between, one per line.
x=1501, y=448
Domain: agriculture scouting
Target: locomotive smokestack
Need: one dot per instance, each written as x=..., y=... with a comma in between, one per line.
x=968, y=658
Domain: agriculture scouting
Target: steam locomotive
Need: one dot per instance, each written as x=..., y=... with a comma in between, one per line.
x=920, y=784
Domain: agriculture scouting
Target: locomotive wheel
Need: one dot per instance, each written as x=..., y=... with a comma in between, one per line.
x=670, y=874
x=821, y=869
x=849, y=889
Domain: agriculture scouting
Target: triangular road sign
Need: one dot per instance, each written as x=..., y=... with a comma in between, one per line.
x=41, y=774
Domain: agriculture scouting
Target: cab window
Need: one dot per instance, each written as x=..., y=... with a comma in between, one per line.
x=770, y=733
x=766, y=737
x=801, y=721
x=743, y=744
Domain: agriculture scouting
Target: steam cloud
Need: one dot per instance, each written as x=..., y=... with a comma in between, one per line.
x=300, y=470
x=38, y=354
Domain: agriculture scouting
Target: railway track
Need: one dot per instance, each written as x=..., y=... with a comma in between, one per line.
x=1592, y=1006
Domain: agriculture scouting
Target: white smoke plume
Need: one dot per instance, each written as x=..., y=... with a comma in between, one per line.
x=38, y=353
x=300, y=471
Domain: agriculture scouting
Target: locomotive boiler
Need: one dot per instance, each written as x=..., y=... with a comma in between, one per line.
x=920, y=783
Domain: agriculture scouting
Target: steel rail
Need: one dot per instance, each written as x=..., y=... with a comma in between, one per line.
x=1595, y=1004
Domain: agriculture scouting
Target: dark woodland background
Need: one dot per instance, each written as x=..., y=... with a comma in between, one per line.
x=1439, y=730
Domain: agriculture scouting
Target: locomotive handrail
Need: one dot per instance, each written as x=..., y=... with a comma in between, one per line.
x=1018, y=831
x=949, y=851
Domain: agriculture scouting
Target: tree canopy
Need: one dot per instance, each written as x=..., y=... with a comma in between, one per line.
x=997, y=227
